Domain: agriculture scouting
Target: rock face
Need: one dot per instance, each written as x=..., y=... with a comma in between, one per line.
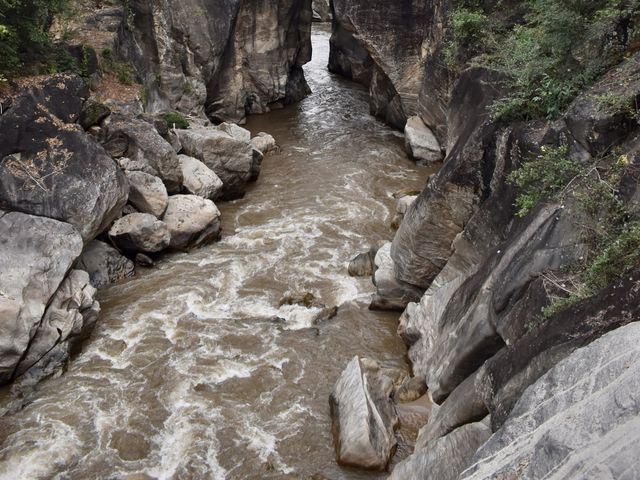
x=199, y=179
x=246, y=57
x=35, y=254
x=139, y=141
x=192, y=221
x=104, y=264
x=321, y=11
x=230, y=159
x=380, y=44
x=140, y=232
x=363, y=417
x=420, y=142
x=51, y=167
x=147, y=193
x=581, y=419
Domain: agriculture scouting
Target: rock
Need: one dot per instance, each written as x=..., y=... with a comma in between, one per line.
x=52, y=168
x=140, y=232
x=35, y=254
x=464, y=405
x=230, y=159
x=104, y=264
x=264, y=142
x=93, y=113
x=305, y=299
x=446, y=457
x=321, y=11
x=362, y=264
x=199, y=179
x=246, y=58
x=420, y=142
x=402, y=206
x=579, y=420
x=144, y=260
x=411, y=389
x=236, y=131
x=192, y=221
x=363, y=417
x=326, y=314
x=139, y=141
x=70, y=313
x=136, y=166
x=391, y=294
x=147, y=193
x=256, y=165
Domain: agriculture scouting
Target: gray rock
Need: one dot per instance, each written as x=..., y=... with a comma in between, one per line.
x=140, y=142
x=140, y=165
x=147, y=193
x=140, y=232
x=446, y=457
x=144, y=260
x=192, y=221
x=264, y=142
x=199, y=179
x=391, y=294
x=402, y=206
x=104, y=264
x=230, y=159
x=420, y=142
x=70, y=313
x=411, y=389
x=321, y=11
x=362, y=264
x=580, y=420
x=35, y=254
x=363, y=416
x=236, y=131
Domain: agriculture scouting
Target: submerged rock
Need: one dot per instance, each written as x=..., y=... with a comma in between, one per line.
x=363, y=416
x=199, y=179
x=264, y=142
x=104, y=264
x=147, y=193
x=420, y=142
x=35, y=254
x=140, y=232
x=192, y=221
x=580, y=420
x=362, y=264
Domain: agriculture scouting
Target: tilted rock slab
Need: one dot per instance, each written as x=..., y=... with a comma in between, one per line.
x=363, y=417
x=580, y=420
x=35, y=254
x=192, y=221
x=147, y=193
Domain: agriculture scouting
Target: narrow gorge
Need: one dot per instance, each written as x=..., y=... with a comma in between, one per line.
x=319, y=240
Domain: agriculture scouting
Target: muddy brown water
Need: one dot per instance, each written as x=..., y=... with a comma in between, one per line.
x=185, y=376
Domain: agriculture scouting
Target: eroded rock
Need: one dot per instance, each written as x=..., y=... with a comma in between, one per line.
x=104, y=264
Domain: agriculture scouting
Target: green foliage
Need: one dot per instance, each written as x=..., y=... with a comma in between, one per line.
x=175, y=119
x=612, y=103
x=24, y=26
x=543, y=177
x=469, y=28
x=123, y=71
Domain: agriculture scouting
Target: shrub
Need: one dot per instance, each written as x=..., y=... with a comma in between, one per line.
x=175, y=119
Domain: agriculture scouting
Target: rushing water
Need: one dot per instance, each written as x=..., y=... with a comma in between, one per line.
x=187, y=375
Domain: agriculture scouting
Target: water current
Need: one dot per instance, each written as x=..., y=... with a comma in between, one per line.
x=187, y=375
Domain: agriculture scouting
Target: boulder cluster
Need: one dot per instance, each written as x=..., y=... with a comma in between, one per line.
x=85, y=193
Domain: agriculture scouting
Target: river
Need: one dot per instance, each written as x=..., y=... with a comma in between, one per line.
x=187, y=375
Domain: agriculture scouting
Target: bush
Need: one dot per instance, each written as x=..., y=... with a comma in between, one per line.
x=175, y=119
x=469, y=29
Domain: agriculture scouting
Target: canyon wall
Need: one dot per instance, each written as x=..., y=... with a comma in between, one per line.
x=228, y=58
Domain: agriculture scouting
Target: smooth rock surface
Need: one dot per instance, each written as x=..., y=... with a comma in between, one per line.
x=192, y=221
x=420, y=142
x=199, y=179
x=35, y=255
x=363, y=417
x=580, y=420
x=104, y=264
x=264, y=142
x=140, y=232
x=147, y=193
x=391, y=294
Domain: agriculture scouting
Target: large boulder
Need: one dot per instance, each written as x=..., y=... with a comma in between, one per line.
x=140, y=142
x=192, y=221
x=147, y=193
x=104, y=264
x=446, y=457
x=420, y=142
x=391, y=294
x=230, y=159
x=199, y=179
x=140, y=232
x=35, y=254
x=580, y=420
x=363, y=416
x=71, y=312
x=51, y=167
x=246, y=57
